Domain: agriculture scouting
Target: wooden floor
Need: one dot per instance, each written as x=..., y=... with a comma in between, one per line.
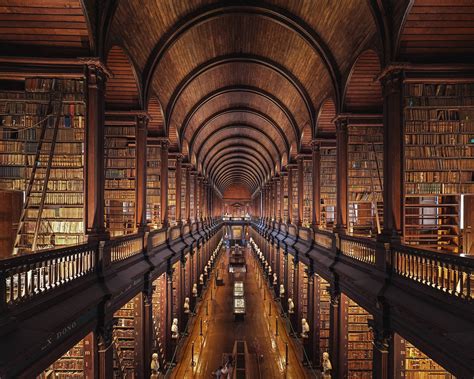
x=220, y=330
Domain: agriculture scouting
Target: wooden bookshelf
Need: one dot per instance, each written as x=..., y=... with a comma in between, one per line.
x=302, y=292
x=357, y=340
x=417, y=365
x=120, y=174
x=294, y=194
x=278, y=199
x=172, y=191
x=183, y=195
x=191, y=198
x=42, y=155
x=307, y=193
x=439, y=162
x=285, y=198
x=328, y=186
x=153, y=183
x=323, y=305
x=126, y=334
x=365, y=178
x=159, y=318
x=77, y=362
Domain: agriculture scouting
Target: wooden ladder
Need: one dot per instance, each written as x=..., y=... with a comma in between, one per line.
x=37, y=186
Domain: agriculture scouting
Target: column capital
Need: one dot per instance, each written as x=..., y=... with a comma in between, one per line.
x=341, y=122
x=315, y=144
x=382, y=336
x=105, y=334
x=165, y=144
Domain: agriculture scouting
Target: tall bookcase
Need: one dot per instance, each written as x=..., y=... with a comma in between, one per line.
x=120, y=173
x=294, y=194
x=77, y=362
x=285, y=197
x=324, y=302
x=42, y=123
x=278, y=199
x=191, y=198
x=159, y=318
x=357, y=340
x=302, y=292
x=365, y=178
x=153, y=183
x=307, y=192
x=439, y=162
x=183, y=195
x=126, y=339
x=417, y=365
x=172, y=191
x=328, y=186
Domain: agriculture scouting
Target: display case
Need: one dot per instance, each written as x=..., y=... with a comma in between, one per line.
x=239, y=306
x=153, y=183
x=238, y=289
x=328, y=186
x=365, y=179
x=120, y=173
x=42, y=123
x=438, y=162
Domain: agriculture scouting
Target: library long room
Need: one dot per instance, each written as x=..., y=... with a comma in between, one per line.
x=236, y=189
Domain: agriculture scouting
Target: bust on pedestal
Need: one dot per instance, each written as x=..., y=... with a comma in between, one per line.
x=304, y=328
x=327, y=366
x=291, y=306
x=154, y=366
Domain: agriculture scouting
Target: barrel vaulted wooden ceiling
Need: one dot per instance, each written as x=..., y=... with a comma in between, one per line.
x=242, y=87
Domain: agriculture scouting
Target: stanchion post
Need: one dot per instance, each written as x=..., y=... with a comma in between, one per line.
x=270, y=308
x=192, y=354
x=200, y=327
x=286, y=353
x=207, y=307
x=276, y=326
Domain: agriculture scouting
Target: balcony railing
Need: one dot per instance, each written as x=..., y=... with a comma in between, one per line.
x=448, y=273
x=26, y=277
x=362, y=249
x=443, y=271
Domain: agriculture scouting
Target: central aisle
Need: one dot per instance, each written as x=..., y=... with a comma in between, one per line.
x=220, y=330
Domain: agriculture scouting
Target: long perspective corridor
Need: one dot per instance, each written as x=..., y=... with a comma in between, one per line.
x=255, y=189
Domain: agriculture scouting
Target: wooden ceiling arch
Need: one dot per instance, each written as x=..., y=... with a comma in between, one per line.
x=267, y=120
x=255, y=146
x=237, y=59
x=237, y=150
x=326, y=115
x=278, y=15
x=232, y=180
x=363, y=92
x=155, y=111
x=239, y=131
x=224, y=164
x=237, y=168
x=122, y=90
x=306, y=138
x=266, y=96
x=239, y=172
x=244, y=119
x=46, y=28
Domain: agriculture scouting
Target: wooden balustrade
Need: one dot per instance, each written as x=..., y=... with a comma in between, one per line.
x=26, y=277
x=446, y=272
x=362, y=249
x=124, y=247
x=324, y=239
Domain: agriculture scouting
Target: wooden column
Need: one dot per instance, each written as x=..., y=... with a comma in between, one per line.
x=188, y=195
x=169, y=312
x=103, y=337
x=94, y=152
x=300, y=191
x=179, y=216
x=164, y=184
x=334, y=332
x=393, y=197
x=312, y=344
x=290, y=195
x=341, y=174
x=316, y=160
x=148, y=328
x=141, y=159
x=381, y=355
